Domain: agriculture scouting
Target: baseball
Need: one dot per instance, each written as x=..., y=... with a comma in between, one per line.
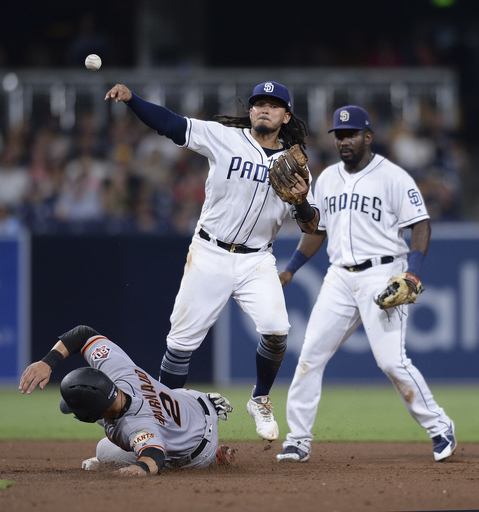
x=93, y=62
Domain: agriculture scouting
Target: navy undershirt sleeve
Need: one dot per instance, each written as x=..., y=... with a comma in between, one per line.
x=164, y=121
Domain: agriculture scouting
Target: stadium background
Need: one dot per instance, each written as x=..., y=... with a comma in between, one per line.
x=96, y=212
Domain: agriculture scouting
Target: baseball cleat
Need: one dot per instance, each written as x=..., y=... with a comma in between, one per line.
x=292, y=454
x=261, y=409
x=225, y=456
x=91, y=464
x=444, y=445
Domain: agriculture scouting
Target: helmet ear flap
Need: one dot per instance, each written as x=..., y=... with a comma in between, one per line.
x=87, y=393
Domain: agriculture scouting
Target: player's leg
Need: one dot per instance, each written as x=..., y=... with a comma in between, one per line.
x=260, y=295
x=205, y=289
x=333, y=319
x=386, y=331
x=109, y=453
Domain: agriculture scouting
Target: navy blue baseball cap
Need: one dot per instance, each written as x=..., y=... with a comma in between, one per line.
x=273, y=90
x=350, y=117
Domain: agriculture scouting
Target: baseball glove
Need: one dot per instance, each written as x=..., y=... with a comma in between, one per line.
x=282, y=174
x=397, y=291
x=221, y=404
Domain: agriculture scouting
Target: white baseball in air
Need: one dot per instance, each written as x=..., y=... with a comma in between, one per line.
x=93, y=62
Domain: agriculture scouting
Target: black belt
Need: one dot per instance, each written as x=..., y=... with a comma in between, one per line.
x=205, y=407
x=240, y=248
x=204, y=442
x=199, y=449
x=369, y=264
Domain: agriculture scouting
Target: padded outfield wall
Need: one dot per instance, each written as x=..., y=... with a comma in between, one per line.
x=443, y=327
x=125, y=287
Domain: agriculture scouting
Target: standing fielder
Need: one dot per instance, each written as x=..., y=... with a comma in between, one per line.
x=231, y=250
x=148, y=425
x=366, y=202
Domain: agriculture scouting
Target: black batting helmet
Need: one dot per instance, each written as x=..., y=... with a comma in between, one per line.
x=87, y=393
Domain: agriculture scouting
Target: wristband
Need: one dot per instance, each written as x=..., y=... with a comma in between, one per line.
x=53, y=358
x=415, y=261
x=298, y=259
x=305, y=212
x=142, y=465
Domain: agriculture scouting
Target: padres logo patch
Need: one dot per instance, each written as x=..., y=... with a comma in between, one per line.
x=414, y=197
x=344, y=116
x=141, y=437
x=101, y=353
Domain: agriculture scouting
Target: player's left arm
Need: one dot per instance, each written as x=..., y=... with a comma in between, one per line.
x=308, y=246
x=150, y=462
x=307, y=216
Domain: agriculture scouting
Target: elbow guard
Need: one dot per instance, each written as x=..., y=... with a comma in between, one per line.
x=77, y=337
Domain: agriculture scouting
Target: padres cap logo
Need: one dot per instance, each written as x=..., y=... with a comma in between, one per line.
x=268, y=87
x=344, y=116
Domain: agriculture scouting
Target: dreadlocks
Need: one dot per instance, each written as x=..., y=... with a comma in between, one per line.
x=295, y=132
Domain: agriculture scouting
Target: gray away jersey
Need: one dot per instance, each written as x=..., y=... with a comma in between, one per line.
x=171, y=420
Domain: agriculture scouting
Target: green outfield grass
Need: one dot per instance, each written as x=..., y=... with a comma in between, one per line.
x=346, y=413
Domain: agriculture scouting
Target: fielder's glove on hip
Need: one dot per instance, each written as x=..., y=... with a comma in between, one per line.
x=399, y=292
x=221, y=404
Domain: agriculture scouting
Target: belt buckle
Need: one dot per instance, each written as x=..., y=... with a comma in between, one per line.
x=352, y=269
x=233, y=248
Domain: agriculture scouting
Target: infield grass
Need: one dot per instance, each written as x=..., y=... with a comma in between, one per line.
x=346, y=413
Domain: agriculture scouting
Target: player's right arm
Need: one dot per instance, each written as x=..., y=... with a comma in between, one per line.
x=38, y=373
x=308, y=246
x=157, y=117
x=119, y=93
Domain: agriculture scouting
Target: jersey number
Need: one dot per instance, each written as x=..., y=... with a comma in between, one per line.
x=171, y=407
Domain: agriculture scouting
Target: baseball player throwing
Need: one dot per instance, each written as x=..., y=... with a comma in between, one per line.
x=366, y=202
x=148, y=425
x=231, y=251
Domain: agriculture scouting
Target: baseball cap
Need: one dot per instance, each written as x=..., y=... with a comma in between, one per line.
x=350, y=117
x=274, y=90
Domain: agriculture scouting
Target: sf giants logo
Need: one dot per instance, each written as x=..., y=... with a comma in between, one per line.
x=344, y=116
x=414, y=197
x=101, y=353
x=142, y=437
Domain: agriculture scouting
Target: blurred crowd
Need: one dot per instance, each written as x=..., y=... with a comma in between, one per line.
x=124, y=180
x=128, y=179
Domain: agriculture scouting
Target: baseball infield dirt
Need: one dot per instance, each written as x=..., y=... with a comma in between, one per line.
x=339, y=477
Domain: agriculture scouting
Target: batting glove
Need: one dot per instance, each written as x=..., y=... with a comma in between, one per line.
x=221, y=405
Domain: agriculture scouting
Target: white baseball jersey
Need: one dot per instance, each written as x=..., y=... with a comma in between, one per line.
x=171, y=420
x=365, y=213
x=240, y=206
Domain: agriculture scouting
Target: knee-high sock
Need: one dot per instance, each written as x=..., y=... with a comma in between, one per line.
x=174, y=368
x=269, y=356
